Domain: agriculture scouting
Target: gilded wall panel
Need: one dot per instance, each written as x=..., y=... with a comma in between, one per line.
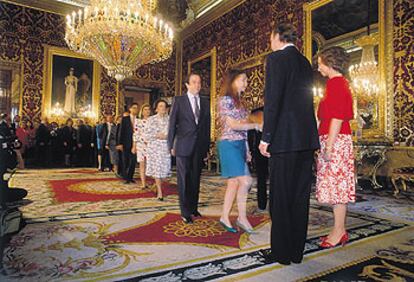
x=403, y=70
x=243, y=33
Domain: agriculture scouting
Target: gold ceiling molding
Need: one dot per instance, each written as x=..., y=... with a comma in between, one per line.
x=218, y=11
x=51, y=6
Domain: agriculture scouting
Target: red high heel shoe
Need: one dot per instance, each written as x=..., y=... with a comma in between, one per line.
x=326, y=245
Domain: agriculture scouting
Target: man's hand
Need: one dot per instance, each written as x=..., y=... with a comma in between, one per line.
x=79, y=145
x=120, y=148
x=173, y=152
x=107, y=147
x=134, y=150
x=263, y=150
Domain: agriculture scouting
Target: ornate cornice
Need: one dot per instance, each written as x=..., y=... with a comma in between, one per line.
x=223, y=8
x=62, y=7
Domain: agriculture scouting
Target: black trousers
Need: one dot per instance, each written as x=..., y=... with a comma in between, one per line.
x=262, y=172
x=129, y=161
x=290, y=187
x=188, y=180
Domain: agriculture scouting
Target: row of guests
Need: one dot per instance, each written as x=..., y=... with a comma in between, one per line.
x=142, y=138
x=48, y=144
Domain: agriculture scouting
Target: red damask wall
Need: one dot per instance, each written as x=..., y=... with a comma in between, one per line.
x=243, y=33
x=23, y=34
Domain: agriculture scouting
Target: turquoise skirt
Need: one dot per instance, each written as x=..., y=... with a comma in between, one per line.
x=232, y=156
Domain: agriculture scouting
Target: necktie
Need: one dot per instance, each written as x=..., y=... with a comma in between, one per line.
x=196, y=109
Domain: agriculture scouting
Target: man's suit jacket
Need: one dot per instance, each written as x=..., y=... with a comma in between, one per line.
x=184, y=134
x=112, y=135
x=125, y=137
x=84, y=135
x=289, y=119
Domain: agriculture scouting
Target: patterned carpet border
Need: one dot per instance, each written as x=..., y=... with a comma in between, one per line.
x=395, y=263
x=237, y=264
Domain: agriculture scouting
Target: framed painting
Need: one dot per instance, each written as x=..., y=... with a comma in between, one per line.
x=70, y=84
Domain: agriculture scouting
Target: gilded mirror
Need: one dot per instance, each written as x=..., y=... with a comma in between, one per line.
x=364, y=29
x=205, y=65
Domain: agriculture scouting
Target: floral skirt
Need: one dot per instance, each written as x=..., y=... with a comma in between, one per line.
x=335, y=182
x=158, y=159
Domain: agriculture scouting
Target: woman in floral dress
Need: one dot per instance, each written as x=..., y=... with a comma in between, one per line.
x=158, y=155
x=141, y=141
x=335, y=183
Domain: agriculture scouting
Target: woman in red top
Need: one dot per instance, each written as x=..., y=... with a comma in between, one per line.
x=335, y=183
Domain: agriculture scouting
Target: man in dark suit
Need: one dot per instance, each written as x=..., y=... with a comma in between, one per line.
x=189, y=141
x=42, y=143
x=109, y=138
x=289, y=138
x=127, y=145
x=261, y=164
x=83, y=140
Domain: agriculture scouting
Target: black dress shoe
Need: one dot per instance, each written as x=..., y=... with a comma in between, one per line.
x=270, y=258
x=132, y=181
x=187, y=219
x=127, y=182
x=197, y=214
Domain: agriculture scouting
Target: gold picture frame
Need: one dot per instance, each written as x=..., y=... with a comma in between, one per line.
x=384, y=123
x=208, y=59
x=49, y=80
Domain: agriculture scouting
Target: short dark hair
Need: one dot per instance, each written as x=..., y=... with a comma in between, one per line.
x=287, y=33
x=160, y=101
x=335, y=57
x=187, y=79
x=133, y=104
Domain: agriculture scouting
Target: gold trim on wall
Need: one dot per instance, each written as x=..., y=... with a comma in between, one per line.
x=213, y=90
x=385, y=64
x=221, y=9
x=47, y=76
x=16, y=67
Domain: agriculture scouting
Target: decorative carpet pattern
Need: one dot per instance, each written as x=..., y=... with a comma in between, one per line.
x=395, y=263
x=156, y=247
x=93, y=238
x=68, y=194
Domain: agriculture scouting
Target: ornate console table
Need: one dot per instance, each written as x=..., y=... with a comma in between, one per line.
x=371, y=150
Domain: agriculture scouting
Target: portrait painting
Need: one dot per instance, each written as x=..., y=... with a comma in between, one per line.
x=71, y=83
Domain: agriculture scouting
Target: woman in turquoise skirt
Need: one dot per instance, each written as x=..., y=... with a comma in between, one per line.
x=233, y=148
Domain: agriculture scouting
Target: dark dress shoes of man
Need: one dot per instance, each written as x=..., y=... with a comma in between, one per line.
x=187, y=219
x=197, y=214
x=269, y=258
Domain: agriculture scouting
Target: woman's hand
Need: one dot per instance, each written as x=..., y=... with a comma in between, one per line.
x=327, y=154
x=248, y=156
x=161, y=136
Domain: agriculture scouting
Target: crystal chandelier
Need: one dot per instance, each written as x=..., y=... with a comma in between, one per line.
x=365, y=74
x=121, y=35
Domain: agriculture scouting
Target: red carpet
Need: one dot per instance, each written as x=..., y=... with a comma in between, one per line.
x=169, y=228
x=95, y=190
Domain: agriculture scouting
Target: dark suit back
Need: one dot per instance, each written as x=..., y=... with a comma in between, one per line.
x=112, y=135
x=289, y=120
x=126, y=133
x=184, y=134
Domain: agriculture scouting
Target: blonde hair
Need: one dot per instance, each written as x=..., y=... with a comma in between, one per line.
x=142, y=109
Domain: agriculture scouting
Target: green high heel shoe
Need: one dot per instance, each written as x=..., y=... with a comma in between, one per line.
x=244, y=228
x=228, y=228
